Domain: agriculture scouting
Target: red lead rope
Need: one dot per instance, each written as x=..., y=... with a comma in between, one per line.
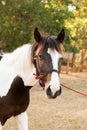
x=73, y=90
x=38, y=76
x=42, y=84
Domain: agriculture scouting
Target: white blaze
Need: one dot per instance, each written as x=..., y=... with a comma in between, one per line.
x=54, y=83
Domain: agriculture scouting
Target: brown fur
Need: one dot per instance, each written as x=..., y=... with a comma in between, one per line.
x=16, y=101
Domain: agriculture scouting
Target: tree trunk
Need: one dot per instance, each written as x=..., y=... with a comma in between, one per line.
x=68, y=63
x=73, y=59
x=81, y=64
x=82, y=59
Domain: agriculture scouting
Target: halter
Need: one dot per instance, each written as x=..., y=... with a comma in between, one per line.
x=41, y=76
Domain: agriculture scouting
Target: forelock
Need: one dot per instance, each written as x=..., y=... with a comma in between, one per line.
x=50, y=43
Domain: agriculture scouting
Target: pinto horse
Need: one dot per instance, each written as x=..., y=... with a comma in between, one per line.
x=21, y=69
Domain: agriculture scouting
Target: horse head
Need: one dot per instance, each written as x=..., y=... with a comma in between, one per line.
x=47, y=55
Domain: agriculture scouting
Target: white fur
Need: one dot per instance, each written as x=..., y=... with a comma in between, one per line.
x=54, y=83
x=0, y=126
x=22, y=121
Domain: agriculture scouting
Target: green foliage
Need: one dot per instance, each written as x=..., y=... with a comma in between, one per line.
x=18, y=18
x=14, y=24
x=73, y=49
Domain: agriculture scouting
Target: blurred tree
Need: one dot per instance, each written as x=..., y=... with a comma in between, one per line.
x=19, y=18
x=78, y=29
x=14, y=23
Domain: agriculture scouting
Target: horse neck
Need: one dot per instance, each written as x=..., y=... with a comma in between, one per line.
x=24, y=59
x=24, y=66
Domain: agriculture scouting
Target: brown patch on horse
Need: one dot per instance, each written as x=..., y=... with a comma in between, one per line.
x=16, y=101
x=47, y=78
x=40, y=47
x=61, y=48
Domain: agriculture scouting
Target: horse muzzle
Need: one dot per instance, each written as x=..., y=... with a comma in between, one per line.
x=50, y=93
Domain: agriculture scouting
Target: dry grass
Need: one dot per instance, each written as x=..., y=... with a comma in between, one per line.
x=67, y=112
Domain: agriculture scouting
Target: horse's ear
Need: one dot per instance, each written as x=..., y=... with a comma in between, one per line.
x=61, y=36
x=37, y=35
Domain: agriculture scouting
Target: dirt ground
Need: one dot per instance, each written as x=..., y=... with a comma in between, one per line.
x=66, y=112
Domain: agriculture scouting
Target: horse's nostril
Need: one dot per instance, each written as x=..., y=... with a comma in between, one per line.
x=48, y=91
x=57, y=93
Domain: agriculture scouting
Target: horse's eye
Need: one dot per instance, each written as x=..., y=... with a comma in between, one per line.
x=40, y=56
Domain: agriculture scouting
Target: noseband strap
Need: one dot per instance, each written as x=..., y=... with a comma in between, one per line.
x=49, y=72
x=54, y=70
x=46, y=73
x=42, y=75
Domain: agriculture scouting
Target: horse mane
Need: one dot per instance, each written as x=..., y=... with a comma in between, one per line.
x=49, y=42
